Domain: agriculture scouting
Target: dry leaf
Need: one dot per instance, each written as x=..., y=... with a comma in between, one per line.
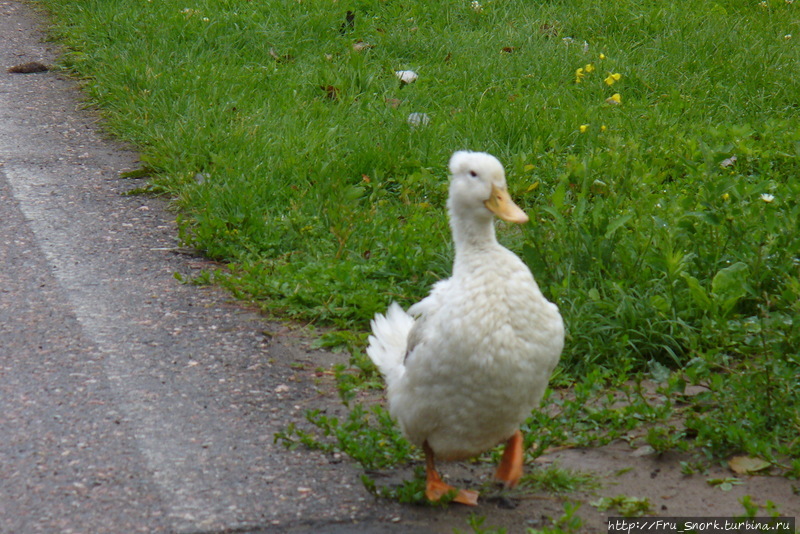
x=509, y=49
x=406, y=76
x=279, y=58
x=746, y=465
x=550, y=30
x=330, y=91
x=28, y=68
x=361, y=45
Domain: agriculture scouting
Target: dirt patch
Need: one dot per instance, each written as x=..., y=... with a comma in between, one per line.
x=619, y=469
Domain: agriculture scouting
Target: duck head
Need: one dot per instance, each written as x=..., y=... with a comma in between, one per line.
x=478, y=189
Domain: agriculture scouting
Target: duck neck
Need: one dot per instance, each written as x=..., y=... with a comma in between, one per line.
x=472, y=234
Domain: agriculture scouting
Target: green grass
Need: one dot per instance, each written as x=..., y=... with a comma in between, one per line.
x=290, y=158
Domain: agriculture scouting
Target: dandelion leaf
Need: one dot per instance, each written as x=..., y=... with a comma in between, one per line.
x=729, y=285
x=699, y=294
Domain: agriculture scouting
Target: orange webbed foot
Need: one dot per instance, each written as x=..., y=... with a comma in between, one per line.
x=436, y=488
x=510, y=469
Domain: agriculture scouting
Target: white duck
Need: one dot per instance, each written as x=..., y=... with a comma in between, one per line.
x=467, y=364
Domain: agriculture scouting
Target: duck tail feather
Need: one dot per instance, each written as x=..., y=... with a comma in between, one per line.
x=389, y=342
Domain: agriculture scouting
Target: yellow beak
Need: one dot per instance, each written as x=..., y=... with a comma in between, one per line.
x=500, y=204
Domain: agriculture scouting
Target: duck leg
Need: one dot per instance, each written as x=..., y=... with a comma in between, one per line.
x=436, y=488
x=510, y=469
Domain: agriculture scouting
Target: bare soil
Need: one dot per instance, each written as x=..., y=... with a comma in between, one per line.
x=623, y=468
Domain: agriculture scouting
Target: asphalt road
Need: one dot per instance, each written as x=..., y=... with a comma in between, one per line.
x=128, y=401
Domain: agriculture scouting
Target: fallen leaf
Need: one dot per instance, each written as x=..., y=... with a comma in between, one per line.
x=361, y=45
x=645, y=450
x=330, y=91
x=406, y=76
x=509, y=49
x=280, y=58
x=28, y=68
x=550, y=30
x=747, y=465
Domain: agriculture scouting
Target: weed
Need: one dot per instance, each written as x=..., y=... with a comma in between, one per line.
x=476, y=522
x=569, y=523
x=725, y=484
x=370, y=438
x=626, y=506
x=409, y=491
x=554, y=479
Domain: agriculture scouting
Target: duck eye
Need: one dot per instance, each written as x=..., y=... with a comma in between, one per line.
x=473, y=174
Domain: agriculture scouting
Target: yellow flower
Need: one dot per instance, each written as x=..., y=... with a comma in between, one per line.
x=583, y=128
x=613, y=78
x=615, y=99
x=726, y=197
x=602, y=56
x=603, y=128
x=579, y=74
x=589, y=68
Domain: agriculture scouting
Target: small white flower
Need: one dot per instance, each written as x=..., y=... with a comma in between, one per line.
x=406, y=76
x=418, y=119
x=766, y=197
x=476, y=6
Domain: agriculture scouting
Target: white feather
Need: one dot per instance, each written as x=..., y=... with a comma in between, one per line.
x=389, y=342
